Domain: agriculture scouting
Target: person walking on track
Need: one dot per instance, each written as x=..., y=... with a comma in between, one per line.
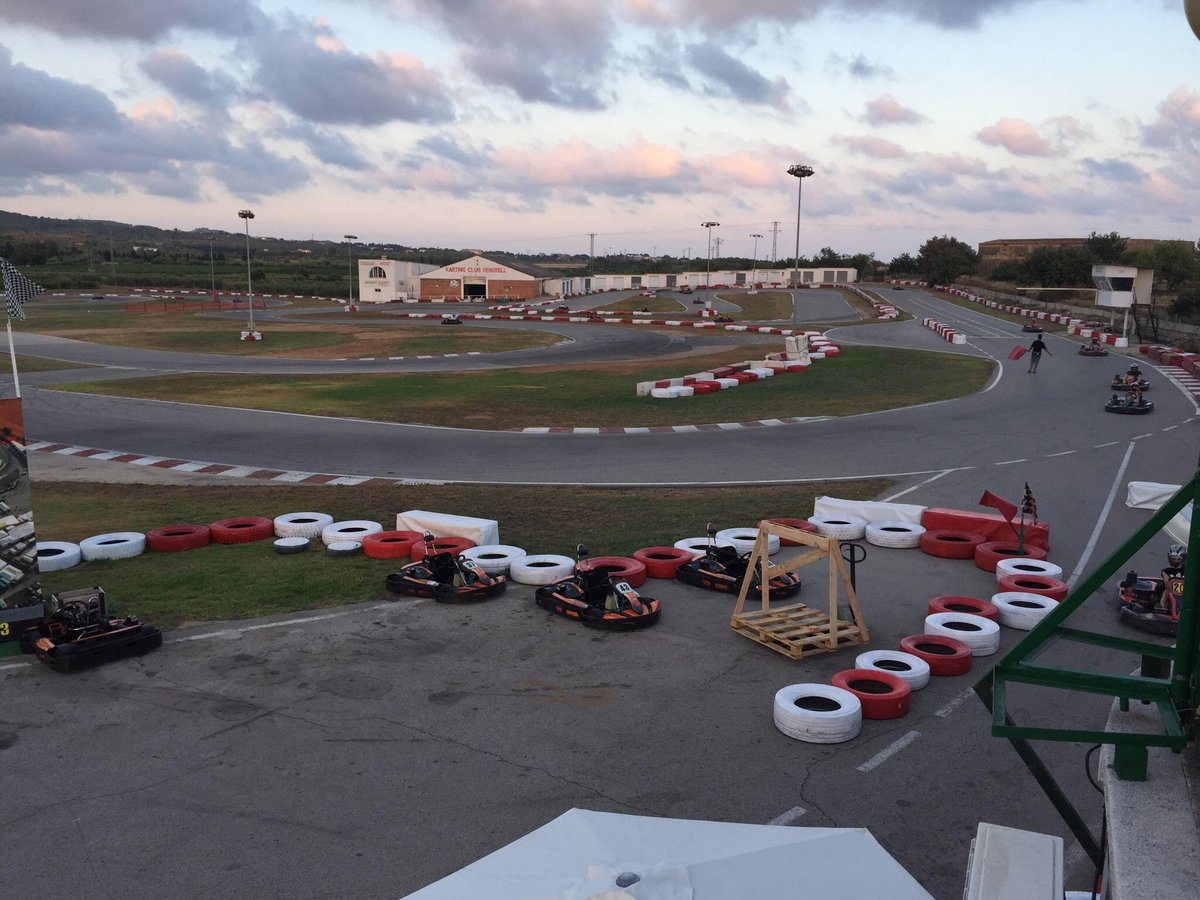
x=1035, y=353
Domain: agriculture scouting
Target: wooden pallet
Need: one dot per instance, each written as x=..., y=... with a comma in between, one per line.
x=799, y=629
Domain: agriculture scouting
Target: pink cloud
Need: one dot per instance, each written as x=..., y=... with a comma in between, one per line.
x=1017, y=137
x=887, y=110
x=875, y=147
x=576, y=162
x=1178, y=123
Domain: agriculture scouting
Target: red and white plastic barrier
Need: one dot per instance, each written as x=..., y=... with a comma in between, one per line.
x=944, y=331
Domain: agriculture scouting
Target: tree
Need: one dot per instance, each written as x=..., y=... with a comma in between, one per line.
x=1175, y=262
x=904, y=264
x=1106, y=248
x=1062, y=267
x=943, y=260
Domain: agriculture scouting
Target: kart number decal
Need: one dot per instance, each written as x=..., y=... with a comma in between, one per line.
x=3, y=629
x=622, y=587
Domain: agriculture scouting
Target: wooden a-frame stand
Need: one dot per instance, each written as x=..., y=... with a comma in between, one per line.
x=798, y=630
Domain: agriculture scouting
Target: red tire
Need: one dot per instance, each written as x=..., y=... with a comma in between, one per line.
x=242, y=530
x=389, y=544
x=454, y=545
x=948, y=544
x=1035, y=584
x=945, y=655
x=622, y=568
x=959, y=604
x=801, y=524
x=883, y=695
x=989, y=553
x=661, y=562
x=176, y=538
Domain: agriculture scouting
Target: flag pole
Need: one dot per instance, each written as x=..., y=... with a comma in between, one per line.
x=12, y=355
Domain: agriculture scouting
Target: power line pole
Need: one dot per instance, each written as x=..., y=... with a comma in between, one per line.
x=717, y=241
x=591, y=251
x=774, y=241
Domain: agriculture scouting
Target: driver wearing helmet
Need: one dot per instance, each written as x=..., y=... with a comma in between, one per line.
x=1176, y=559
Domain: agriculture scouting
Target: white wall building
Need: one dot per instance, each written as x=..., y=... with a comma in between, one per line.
x=389, y=280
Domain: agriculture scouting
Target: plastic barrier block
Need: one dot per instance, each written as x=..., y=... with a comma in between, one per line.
x=481, y=531
x=992, y=526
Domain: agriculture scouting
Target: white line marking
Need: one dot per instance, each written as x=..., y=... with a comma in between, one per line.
x=1170, y=428
x=147, y=460
x=888, y=752
x=238, y=471
x=1102, y=518
x=1063, y=453
x=1109, y=444
x=1010, y=462
x=790, y=816
x=1140, y=436
x=19, y=665
x=282, y=624
x=70, y=451
x=954, y=704
x=892, y=498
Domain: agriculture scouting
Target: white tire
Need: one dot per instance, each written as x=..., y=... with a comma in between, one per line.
x=912, y=669
x=742, y=539
x=980, y=634
x=495, y=559
x=115, y=545
x=817, y=713
x=288, y=545
x=662, y=393
x=727, y=383
x=1023, y=565
x=542, y=568
x=840, y=528
x=894, y=534
x=1021, y=610
x=698, y=546
x=343, y=548
x=350, y=530
x=53, y=556
x=302, y=524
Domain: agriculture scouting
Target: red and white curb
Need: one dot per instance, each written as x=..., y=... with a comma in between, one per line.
x=676, y=429
x=1183, y=378
x=944, y=331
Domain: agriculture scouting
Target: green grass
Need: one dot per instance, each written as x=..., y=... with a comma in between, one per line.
x=1045, y=324
x=238, y=581
x=765, y=306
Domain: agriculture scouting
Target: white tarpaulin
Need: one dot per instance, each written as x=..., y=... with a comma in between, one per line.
x=1149, y=494
x=584, y=855
x=871, y=510
x=482, y=531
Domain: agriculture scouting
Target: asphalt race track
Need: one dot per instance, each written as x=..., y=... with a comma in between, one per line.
x=368, y=750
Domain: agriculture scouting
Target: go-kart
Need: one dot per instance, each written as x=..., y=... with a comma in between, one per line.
x=1150, y=603
x=723, y=568
x=597, y=599
x=445, y=577
x=80, y=633
x=1092, y=350
x=561, y=310
x=685, y=290
x=451, y=319
x=1128, y=405
x=1120, y=384
x=1030, y=326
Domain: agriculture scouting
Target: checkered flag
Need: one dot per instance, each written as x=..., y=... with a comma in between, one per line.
x=17, y=289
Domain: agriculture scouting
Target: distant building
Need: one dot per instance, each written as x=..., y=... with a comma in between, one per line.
x=481, y=278
x=389, y=280
x=992, y=253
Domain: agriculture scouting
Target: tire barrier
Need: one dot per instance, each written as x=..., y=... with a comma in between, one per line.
x=945, y=332
x=954, y=603
x=495, y=559
x=301, y=524
x=350, y=530
x=241, y=530
x=543, y=568
x=1035, y=584
x=662, y=562
x=980, y=634
x=1024, y=566
x=818, y=713
x=989, y=553
x=698, y=546
x=913, y=669
x=946, y=544
x=1022, y=610
x=343, y=548
x=389, y=544
x=840, y=528
x=883, y=695
x=622, y=568
x=114, y=545
x=900, y=535
x=799, y=524
x=54, y=556
x=177, y=538
x=285, y=546
x=946, y=656
x=745, y=372
x=743, y=539
x=453, y=545
x=992, y=526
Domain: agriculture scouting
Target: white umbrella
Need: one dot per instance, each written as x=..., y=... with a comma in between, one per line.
x=585, y=855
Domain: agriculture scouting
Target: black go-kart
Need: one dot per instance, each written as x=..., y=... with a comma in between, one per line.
x=80, y=633
x=451, y=319
x=445, y=578
x=1150, y=604
x=1092, y=350
x=723, y=568
x=597, y=599
x=1129, y=405
x=1032, y=327
x=1119, y=383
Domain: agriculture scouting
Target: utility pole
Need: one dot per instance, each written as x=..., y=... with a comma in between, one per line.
x=592, y=252
x=774, y=241
x=754, y=262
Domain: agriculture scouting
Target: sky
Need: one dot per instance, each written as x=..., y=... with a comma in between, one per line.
x=529, y=125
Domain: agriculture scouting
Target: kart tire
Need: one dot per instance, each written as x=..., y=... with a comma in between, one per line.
x=495, y=559
x=343, y=548
x=1024, y=566
x=662, y=562
x=698, y=546
x=743, y=539
x=1035, y=584
x=1022, y=610
x=980, y=634
x=54, y=556
x=452, y=545
x=542, y=568
x=241, y=530
x=177, y=538
x=900, y=535
x=620, y=568
x=946, y=656
x=989, y=553
x=301, y=524
x=349, y=530
x=389, y=544
x=114, y=545
x=912, y=669
x=883, y=695
x=818, y=713
x=799, y=525
x=840, y=528
x=285, y=546
x=946, y=543
x=954, y=603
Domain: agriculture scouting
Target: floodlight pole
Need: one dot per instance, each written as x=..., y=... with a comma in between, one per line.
x=350, y=261
x=800, y=173
x=754, y=261
x=247, y=215
x=708, y=272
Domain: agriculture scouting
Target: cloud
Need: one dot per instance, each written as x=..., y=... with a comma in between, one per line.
x=1016, y=136
x=951, y=14
x=887, y=110
x=876, y=147
x=858, y=66
x=1177, y=126
x=736, y=78
x=328, y=146
x=99, y=19
x=634, y=168
x=1112, y=170
x=186, y=79
x=39, y=100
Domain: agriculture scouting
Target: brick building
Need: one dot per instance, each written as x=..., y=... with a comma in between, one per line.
x=480, y=278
